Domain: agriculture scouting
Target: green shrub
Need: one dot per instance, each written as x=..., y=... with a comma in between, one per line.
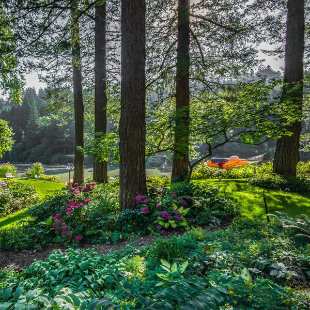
x=167, y=249
x=286, y=183
x=36, y=171
x=7, y=168
x=129, y=221
x=50, y=206
x=15, y=196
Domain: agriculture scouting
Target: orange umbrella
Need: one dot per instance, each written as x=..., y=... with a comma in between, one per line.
x=229, y=163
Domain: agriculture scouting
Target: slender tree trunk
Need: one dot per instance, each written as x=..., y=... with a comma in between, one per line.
x=180, y=168
x=132, y=122
x=287, y=147
x=78, y=97
x=100, y=167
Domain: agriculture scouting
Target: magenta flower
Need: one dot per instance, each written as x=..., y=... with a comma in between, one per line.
x=158, y=205
x=173, y=195
x=77, y=192
x=184, y=203
x=82, y=216
x=59, y=221
x=56, y=227
x=69, y=235
x=78, y=238
x=69, y=210
x=64, y=227
x=63, y=233
x=139, y=199
x=54, y=218
x=158, y=227
x=145, y=210
x=58, y=215
x=146, y=201
x=176, y=211
x=179, y=218
x=76, y=184
x=87, y=200
x=84, y=190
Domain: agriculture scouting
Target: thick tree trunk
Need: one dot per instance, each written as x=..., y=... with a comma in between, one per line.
x=287, y=147
x=132, y=122
x=100, y=167
x=180, y=168
x=77, y=97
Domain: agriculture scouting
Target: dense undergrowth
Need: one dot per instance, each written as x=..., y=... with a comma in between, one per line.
x=250, y=265
x=90, y=214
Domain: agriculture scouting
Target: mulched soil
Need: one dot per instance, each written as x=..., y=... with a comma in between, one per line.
x=24, y=258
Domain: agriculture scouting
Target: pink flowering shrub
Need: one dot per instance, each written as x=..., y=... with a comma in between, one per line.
x=68, y=223
x=169, y=211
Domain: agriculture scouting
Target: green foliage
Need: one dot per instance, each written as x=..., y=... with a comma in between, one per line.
x=50, y=206
x=250, y=265
x=300, y=227
x=203, y=171
x=7, y=168
x=35, y=172
x=166, y=249
x=286, y=183
x=132, y=221
x=6, y=134
x=15, y=196
x=173, y=272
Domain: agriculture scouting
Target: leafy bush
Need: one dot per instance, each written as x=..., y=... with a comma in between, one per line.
x=287, y=183
x=50, y=206
x=129, y=221
x=7, y=168
x=205, y=172
x=36, y=171
x=15, y=196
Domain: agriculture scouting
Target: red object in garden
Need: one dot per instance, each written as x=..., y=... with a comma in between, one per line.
x=229, y=163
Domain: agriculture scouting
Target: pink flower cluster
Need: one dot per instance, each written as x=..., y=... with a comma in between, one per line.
x=72, y=205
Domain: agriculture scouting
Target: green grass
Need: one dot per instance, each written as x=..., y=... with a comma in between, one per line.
x=43, y=188
x=251, y=198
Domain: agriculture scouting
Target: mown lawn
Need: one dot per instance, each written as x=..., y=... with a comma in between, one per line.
x=251, y=198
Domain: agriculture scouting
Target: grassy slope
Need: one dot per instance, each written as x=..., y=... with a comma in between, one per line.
x=251, y=199
x=43, y=188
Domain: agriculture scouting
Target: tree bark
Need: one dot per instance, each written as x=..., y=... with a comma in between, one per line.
x=100, y=167
x=132, y=122
x=287, y=147
x=77, y=97
x=180, y=167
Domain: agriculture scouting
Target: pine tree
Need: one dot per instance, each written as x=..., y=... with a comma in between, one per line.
x=132, y=122
x=100, y=167
x=287, y=147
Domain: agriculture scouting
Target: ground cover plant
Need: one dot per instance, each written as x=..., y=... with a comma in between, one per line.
x=250, y=265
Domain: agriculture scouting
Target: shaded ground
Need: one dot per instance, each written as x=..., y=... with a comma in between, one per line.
x=24, y=258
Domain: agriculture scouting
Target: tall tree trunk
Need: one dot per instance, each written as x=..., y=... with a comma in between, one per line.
x=132, y=122
x=77, y=96
x=180, y=168
x=100, y=167
x=287, y=147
